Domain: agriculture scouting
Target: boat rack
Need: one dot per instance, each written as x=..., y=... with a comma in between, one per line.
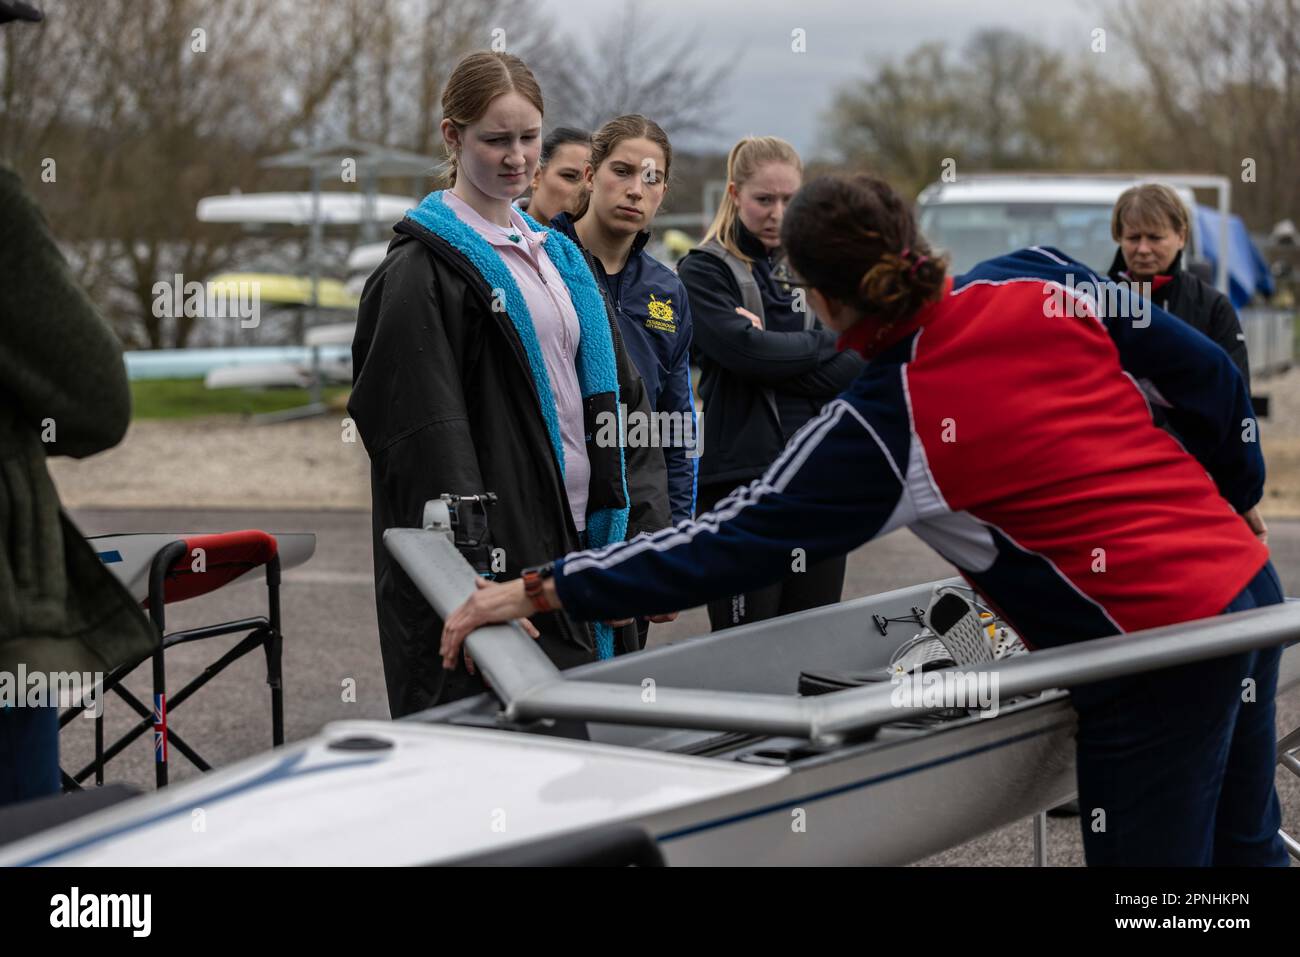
x=531, y=688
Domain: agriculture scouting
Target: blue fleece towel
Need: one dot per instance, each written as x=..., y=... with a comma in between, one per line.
x=595, y=362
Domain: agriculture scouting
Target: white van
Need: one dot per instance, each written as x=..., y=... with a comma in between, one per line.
x=982, y=216
x=985, y=215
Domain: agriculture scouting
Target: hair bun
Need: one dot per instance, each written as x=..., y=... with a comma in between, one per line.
x=842, y=226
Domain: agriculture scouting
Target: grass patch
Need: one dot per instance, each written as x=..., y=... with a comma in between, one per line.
x=187, y=398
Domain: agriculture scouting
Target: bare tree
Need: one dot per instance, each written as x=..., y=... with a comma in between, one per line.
x=446, y=30
x=146, y=106
x=905, y=120
x=633, y=67
x=1006, y=102
x=394, y=71
x=1223, y=77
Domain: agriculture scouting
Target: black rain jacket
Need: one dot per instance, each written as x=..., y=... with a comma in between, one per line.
x=444, y=401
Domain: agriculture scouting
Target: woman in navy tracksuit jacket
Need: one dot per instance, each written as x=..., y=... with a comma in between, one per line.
x=626, y=181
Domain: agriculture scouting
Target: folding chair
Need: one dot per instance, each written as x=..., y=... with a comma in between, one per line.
x=186, y=568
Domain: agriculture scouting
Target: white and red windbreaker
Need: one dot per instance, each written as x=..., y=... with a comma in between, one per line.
x=1015, y=438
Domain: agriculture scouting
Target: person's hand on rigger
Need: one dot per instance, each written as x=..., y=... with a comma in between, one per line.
x=754, y=321
x=491, y=603
x=494, y=604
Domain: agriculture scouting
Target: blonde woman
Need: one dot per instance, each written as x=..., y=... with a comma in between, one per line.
x=483, y=350
x=767, y=365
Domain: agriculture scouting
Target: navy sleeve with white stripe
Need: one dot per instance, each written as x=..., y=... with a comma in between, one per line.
x=834, y=487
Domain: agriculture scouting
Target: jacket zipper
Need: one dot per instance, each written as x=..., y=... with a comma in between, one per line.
x=476, y=283
x=578, y=633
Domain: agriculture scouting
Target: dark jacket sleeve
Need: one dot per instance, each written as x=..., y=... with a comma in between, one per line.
x=647, y=477
x=1202, y=395
x=1225, y=329
x=59, y=359
x=407, y=399
x=732, y=341
x=676, y=397
x=840, y=491
x=828, y=380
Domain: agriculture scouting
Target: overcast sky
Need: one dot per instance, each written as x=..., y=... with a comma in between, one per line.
x=773, y=90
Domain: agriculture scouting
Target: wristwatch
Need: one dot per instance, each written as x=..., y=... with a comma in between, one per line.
x=534, y=578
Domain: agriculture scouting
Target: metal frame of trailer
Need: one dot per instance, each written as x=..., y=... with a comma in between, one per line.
x=530, y=687
x=531, y=691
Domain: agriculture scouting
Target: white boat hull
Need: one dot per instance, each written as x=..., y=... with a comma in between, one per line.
x=458, y=781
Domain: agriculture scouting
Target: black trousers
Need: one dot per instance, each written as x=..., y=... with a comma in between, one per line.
x=820, y=584
x=1176, y=767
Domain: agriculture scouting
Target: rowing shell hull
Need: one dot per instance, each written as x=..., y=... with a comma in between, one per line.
x=451, y=782
x=441, y=793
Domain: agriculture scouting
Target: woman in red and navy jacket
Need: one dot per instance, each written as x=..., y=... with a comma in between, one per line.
x=1014, y=437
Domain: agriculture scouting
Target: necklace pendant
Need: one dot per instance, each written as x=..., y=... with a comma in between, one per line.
x=514, y=237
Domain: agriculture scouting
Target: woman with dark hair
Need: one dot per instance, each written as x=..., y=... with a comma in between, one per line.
x=1017, y=444
x=766, y=364
x=557, y=185
x=625, y=182
x=483, y=354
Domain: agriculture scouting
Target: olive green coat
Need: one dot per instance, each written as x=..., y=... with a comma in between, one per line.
x=63, y=391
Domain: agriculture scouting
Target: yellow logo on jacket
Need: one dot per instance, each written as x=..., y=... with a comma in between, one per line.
x=661, y=315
